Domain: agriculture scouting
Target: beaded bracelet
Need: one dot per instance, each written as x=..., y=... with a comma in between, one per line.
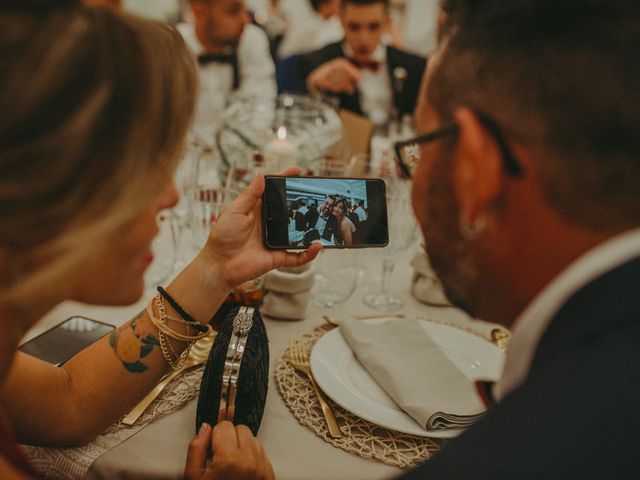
x=176, y=306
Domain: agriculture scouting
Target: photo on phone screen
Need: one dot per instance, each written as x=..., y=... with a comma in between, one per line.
x=63, y=341
x=338, y=212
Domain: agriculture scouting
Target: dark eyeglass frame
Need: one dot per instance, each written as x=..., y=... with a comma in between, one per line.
x=511, y=164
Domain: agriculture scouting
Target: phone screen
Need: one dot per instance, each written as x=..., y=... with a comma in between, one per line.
x=338, y=212
x=63, y=341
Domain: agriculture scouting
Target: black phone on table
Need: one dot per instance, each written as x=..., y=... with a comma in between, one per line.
x=298, y=211
x=60, y=343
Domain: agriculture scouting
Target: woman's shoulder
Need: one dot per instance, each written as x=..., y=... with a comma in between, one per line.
x=347, y=223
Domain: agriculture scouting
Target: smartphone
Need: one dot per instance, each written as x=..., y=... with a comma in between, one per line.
x=338, y=212
x=60, y=343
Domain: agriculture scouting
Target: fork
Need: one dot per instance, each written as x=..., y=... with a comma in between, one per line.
x=299, y=360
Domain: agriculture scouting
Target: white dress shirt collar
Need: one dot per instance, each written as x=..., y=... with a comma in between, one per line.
x=375, y=90
x=531, y=324
x=379, y=54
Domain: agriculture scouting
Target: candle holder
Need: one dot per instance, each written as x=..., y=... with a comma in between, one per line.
x=260, y=134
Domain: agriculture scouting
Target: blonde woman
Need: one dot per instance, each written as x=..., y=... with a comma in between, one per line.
x=95, y=106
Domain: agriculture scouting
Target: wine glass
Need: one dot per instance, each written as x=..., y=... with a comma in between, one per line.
x=402, y=234
x=336, y=278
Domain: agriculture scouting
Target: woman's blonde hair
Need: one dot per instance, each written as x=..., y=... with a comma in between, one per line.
x=95, y=107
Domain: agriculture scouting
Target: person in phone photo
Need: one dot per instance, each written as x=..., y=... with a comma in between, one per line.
x=324, y=226
x=96, y=106
x=345, y=230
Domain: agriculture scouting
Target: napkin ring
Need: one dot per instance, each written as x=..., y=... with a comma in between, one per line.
x=242, y=324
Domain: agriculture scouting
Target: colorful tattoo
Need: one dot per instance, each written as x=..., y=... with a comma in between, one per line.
x=133, y=342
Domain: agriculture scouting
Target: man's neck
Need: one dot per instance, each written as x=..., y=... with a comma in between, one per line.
x=208, y=47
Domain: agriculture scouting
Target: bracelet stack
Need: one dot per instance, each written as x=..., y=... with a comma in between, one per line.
x=162, y=322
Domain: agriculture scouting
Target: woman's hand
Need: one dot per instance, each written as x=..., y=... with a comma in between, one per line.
x=237, y=455
x=235, y=245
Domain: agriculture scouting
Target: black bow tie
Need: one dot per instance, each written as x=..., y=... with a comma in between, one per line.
x=206, y=58
x=373, y=66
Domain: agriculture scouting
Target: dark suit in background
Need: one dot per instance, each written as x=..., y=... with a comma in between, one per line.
x=404, y=95
x=578, y=413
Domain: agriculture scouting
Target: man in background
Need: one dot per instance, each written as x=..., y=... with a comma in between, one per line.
x=366, y=76
x=233, y=57
x=319, y=28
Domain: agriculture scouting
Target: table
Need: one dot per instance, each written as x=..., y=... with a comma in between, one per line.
x=159, y=450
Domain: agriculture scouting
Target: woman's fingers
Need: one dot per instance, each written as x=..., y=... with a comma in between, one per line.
x=198, y=453
x=297, y=259
x=247, y=200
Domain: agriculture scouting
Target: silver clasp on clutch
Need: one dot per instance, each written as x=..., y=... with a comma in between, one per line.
x=242, y=324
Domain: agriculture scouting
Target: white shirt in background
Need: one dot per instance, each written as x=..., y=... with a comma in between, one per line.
x=309, y=34
x=161, y=10
x=362, y=215
x=419, y=26
x=376, y=95
x=256, y=74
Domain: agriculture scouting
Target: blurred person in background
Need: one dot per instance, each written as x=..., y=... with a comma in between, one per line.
x=232, y=55
x=97, y=104
x=321, y=27
x=366, y=76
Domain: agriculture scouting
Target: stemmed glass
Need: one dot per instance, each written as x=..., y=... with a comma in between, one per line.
x=336, y=278
x=402, y=234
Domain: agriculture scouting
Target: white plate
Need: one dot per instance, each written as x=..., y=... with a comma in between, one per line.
x=343, y=378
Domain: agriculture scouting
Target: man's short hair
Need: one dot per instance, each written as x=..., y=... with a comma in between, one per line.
x=344, y=3
x=316, y=4
x=560, y=78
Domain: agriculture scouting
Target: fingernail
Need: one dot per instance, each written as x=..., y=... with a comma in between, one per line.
x=204, y=428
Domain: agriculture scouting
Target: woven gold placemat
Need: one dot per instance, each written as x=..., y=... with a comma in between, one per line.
x=359, y=436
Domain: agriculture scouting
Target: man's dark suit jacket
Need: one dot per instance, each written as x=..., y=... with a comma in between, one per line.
x=330, y=228
x=404, y=98
x=578, y=413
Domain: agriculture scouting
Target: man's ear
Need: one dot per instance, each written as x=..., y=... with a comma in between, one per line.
x=478, y=175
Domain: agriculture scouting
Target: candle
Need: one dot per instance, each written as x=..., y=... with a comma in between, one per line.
x=280, y=153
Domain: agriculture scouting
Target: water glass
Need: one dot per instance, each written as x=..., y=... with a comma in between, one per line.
x=336, y=278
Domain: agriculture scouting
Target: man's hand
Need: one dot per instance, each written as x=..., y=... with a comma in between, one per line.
x=336, y=76
x=237, y=455
x=235, y=247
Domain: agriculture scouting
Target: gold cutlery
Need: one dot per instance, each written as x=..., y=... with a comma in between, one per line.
x=299, y=359
x=501, y=338
x=197, y=355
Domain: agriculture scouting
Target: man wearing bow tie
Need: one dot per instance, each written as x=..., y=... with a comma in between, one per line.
x=233, y=56
x=366, y=76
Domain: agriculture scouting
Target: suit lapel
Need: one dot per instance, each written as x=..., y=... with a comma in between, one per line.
x=397, y=85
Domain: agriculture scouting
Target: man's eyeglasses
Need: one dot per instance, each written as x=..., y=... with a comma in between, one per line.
x=408, y=151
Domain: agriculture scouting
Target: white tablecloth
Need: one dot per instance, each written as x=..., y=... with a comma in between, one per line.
x=159, y=450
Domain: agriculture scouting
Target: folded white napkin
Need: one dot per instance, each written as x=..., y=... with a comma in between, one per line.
x=409, y=366
x=287, y=292
x=425, y=285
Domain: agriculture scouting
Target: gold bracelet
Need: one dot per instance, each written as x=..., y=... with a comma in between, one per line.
x=162, y=326
x=165, y=344
x=164, y=315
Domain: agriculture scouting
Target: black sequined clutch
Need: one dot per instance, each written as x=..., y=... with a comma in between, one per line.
x=235, y=379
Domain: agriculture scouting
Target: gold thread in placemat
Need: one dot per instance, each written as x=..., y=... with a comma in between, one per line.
x=359, y=436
